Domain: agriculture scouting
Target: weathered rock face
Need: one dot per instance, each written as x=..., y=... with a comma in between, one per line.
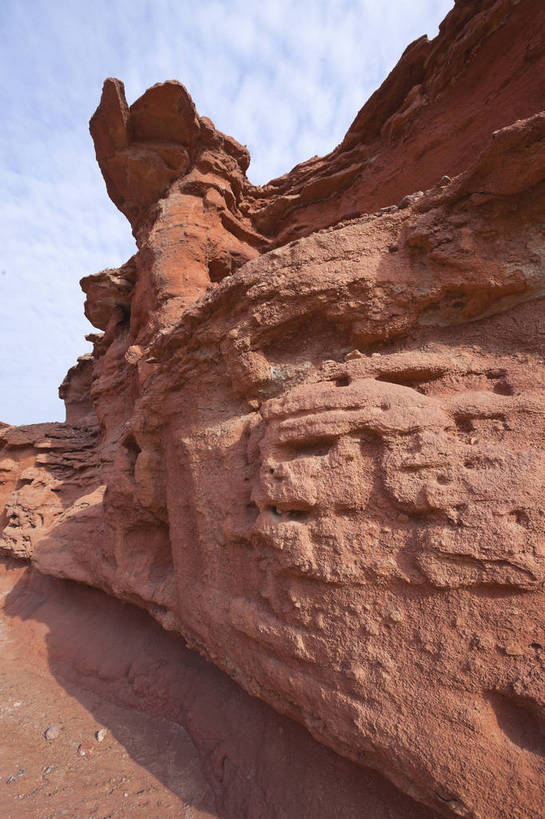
x=106, y=654
x=321, y=459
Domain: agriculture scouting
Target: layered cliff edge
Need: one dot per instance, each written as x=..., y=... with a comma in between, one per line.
x=310, y=437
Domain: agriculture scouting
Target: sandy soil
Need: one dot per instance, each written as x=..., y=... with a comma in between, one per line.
x=74, y=775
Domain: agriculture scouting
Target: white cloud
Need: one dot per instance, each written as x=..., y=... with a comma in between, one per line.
x=285, y=77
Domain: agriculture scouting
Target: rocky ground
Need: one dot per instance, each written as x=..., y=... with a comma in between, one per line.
x=142, y=765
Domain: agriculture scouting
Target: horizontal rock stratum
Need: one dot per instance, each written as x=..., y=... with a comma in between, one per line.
x=311, y=435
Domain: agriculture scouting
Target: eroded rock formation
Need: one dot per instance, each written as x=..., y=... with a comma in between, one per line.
x=311, y=436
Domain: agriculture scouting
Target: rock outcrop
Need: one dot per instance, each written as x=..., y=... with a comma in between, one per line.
x=311, y=436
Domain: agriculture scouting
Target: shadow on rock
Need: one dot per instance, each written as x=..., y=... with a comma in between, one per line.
x=256, y=762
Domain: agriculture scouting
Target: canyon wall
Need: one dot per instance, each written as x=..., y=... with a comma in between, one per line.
x=311, y=435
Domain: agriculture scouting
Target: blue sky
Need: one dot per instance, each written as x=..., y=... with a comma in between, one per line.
x=285, y=77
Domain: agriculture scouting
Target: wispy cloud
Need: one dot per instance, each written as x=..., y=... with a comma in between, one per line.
x=285, y=77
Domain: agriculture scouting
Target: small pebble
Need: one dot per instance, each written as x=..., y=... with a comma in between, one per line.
x=15, y=777
x=100, y=734
x=513, y=650
x=53, y=732
x=85, y=749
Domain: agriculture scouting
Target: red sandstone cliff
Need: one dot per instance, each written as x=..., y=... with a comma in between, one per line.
x=310, y=437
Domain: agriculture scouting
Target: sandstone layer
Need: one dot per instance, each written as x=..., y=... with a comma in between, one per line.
x=311, y=435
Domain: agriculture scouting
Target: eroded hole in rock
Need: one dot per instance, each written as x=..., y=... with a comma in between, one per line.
x=447, y=308
x=504, y=388
x=410, y=378
x=219, y=268
x=464, y=424
x=343, y=381
x=520, y=517
x=315, y=447
x=520, y=720
x=297, y=514
x=289, y=346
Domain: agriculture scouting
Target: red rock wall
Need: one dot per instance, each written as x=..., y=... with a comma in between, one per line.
x=319, y=409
